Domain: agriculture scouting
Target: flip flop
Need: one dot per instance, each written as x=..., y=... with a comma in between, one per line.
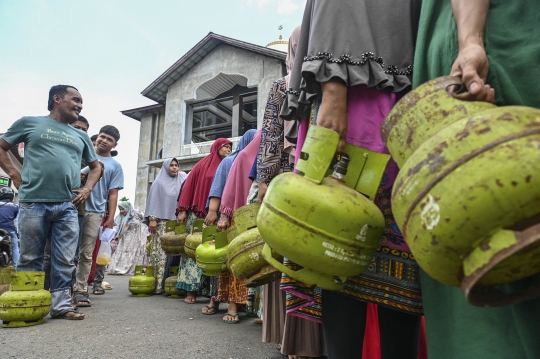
x=106, y=285
x=235, y=315
x=209, y=309
x=68, y=317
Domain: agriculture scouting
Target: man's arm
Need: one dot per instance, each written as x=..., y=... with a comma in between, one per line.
x=111, y=208
x=472, y=62
x=93, y=177
x=7, y=165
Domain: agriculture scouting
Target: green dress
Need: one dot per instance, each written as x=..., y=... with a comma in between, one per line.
x=455, y=329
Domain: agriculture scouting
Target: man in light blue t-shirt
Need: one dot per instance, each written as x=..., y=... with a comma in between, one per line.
x=50, y=190
x=102, y=202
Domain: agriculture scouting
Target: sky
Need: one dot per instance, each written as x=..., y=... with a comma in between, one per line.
x=111, y=50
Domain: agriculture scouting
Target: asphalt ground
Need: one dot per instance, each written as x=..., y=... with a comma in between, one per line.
x=121, y=326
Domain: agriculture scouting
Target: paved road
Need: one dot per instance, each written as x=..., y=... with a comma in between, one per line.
x=120, y=326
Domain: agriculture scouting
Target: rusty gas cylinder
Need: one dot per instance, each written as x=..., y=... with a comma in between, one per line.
x=467, y=198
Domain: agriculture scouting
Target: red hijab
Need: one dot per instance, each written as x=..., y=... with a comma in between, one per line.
x=195, y=192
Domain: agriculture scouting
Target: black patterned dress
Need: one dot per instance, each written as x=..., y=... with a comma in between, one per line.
x=272, y=159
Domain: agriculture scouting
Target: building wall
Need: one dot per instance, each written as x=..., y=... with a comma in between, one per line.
x=150, y=141
x=259, y=70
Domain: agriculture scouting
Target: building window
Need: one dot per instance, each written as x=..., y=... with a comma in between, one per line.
x=214, y=118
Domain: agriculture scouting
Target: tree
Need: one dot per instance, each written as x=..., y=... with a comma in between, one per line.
x=124, y=199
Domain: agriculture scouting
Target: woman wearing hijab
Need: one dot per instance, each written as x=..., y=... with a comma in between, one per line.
x=192, y=205
x=359, y=68
x=160, y=208
x=225, y=283
x=132, y=232
x=298, y=337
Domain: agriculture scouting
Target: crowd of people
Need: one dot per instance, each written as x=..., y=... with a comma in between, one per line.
x=348, y=63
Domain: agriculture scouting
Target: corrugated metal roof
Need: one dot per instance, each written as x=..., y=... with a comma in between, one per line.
x=218, y=85
x=157, y=90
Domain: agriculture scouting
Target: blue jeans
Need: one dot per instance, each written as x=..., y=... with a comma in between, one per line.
x=57, y=222
x=47, y=259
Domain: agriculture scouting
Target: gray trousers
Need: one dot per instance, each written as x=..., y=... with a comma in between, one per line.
x=99, y=276
x=90, y=232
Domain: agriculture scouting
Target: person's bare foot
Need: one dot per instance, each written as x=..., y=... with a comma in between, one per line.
x=232, y=314
x=211, y=308
x=190, y=298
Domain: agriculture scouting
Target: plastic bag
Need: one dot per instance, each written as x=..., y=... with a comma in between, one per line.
x=104, y=255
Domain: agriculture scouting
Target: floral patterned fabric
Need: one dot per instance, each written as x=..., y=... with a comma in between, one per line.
x=189, y=275
x=131, y=247
x=158, y=259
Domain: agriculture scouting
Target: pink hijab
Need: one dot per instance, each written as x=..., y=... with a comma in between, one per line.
x=238, y=183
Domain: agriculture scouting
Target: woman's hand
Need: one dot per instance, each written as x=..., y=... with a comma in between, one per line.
x=181, y=218
x=472, y=67
x=223, y=223
x=262, y=191
x=211, y=218
x=333, y=110
x=152, y=226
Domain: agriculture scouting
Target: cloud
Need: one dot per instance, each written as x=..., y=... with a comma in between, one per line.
x=260, y=3
x=286, y=7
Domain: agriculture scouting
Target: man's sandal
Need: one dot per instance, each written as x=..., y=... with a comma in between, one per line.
x=81, y=301
x=98, y=290
x=77, y=315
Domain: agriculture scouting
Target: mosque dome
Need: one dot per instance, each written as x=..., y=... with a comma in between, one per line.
x=280, y=45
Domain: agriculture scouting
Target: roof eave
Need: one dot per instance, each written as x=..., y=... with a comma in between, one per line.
x=136, y=113
x=218, y=39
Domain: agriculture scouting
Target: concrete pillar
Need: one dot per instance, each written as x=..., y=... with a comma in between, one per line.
x=188, y=127
x=237, y=119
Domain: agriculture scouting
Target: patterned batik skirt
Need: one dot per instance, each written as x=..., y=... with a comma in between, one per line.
x=392, y=278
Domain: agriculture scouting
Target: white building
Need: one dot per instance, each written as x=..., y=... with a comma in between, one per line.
x=217, y=89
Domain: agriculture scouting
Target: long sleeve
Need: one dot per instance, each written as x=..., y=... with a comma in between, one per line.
x=271, y=159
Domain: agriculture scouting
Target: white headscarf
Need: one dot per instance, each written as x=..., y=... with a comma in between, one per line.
x=163, y=198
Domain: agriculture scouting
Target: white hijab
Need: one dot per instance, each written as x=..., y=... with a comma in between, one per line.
x=163, y=198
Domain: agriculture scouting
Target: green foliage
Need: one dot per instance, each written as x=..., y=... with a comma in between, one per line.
x=124, y=199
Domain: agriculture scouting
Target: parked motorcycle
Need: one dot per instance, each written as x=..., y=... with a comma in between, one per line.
x=5, y=248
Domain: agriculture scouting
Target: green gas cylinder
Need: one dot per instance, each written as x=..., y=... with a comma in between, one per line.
x=244, y=254
x=170, y=284
x=467, y=198
x=143, y=283
x=173, y=242
x=210, y=254
x=326, y=224
x=26, y=303
x=194, y=239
